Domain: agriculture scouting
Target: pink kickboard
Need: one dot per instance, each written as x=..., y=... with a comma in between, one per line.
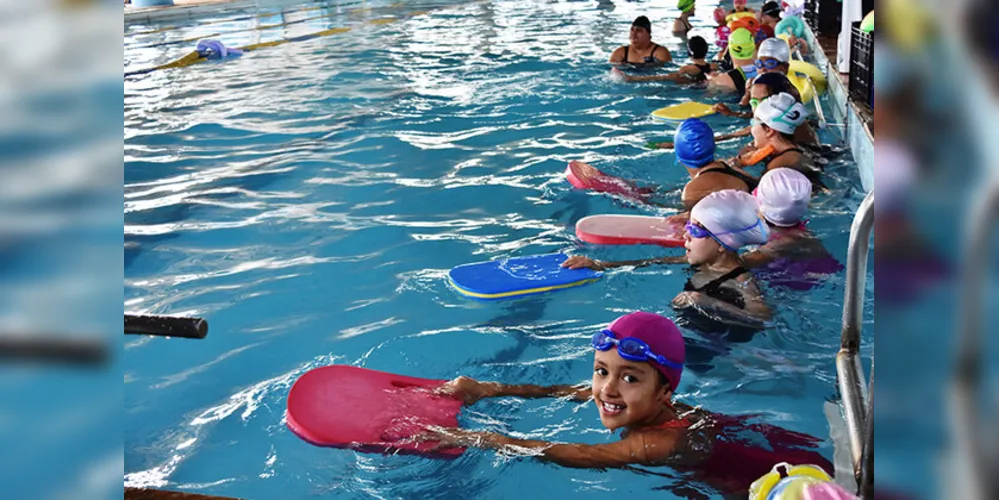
x=630, y=230
x=603, y=183
x=369, y=411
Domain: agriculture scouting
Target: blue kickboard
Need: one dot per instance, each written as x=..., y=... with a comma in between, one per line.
x=519, y=276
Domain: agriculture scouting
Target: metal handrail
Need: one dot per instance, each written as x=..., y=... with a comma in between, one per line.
x=968, y=432
x=848, y=367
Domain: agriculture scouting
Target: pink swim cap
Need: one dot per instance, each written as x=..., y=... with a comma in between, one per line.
x=661, y=335
x=826, y=491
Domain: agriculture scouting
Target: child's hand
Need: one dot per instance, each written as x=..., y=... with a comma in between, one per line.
x=659, y=145
x=466, y=389
x=722, y=108
x=619, y=75
x=582, y=262
x=686, y=300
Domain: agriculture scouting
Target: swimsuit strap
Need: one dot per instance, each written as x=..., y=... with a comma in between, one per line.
x=680, y=423
x=773, y=156
x=626, y=47
x=717, y=282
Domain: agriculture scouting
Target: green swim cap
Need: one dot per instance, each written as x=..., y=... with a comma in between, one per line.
x=685, y=5
x=741, y=44
x=867, y=25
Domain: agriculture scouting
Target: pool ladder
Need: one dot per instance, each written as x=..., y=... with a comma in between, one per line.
x=969, y=435
x=858, y=401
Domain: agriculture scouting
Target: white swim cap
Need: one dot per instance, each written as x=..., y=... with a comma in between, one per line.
x=775, y=48
x=781, y=112
x=731, y=217
x=783, y=195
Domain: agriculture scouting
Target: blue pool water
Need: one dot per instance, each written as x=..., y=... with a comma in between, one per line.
x=309, y=199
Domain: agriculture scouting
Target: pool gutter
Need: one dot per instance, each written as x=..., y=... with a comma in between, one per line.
x=858, y=119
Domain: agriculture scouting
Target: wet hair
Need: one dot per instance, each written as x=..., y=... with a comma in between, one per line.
x=643, y=22
x=698, y=47
x=777, y=83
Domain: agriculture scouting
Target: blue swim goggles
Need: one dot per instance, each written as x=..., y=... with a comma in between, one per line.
x=698, y=231
x=768, y=63
x=631, y=349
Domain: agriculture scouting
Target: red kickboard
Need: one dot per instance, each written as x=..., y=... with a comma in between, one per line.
x=630, y=230
x=583, y=176
x=369, y=411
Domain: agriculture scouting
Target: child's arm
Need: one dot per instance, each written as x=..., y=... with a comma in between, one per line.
x=581, y=262
x=755, y=315
x=470, y=390
x=638, y=448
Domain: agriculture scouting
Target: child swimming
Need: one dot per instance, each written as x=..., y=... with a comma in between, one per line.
x=637, y=366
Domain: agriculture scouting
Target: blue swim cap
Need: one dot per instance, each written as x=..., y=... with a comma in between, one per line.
x=694, y=143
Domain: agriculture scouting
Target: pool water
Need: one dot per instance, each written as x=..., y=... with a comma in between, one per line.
x=309, y=199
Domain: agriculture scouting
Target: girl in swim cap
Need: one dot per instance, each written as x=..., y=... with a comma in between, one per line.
x=641, y=51
x=638, y=362
x=775, y=121
x=765, y=86
x=742, y=49
x=721, y=289
x=695, y=72
x=682, y=26
x=740, y=6
x=792, y=256
x=695, y=151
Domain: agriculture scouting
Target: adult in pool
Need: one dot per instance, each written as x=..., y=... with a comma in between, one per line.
x=695, y=72
x=682, y=26
x=720, y=289
x=637, y=366
x=641, y=51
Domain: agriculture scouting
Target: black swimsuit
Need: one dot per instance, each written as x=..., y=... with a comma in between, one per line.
x=724, y=168
x=703, y=75
x=714, y=289
x=649, y=59
x=814, y=175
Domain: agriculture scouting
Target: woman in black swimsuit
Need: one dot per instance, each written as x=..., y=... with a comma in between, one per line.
x=695, y=72
x=641, y=51
x=720, y=288
x=682, y=24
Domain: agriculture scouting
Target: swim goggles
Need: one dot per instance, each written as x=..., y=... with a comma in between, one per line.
x=754, y=102
x=768, y=63
x=698, y=231
x=631, y=349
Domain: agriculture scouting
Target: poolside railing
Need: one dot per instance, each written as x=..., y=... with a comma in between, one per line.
x=857, y=407
x=970, y=435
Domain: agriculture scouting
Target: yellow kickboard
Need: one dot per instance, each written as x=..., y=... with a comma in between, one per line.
x=680, y=112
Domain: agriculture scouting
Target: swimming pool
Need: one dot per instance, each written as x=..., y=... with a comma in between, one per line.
x=308, y=199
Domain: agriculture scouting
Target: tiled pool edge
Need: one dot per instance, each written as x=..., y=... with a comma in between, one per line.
x=859, y=137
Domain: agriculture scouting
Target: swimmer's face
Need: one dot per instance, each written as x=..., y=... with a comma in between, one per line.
x=780, y=68
x=639, y=36
x=700, y=250
x=762, y=134
x=627, y=393
x=768, y=19
x=759, y=91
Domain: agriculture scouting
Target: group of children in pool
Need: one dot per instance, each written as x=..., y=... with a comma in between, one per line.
x=639, y=358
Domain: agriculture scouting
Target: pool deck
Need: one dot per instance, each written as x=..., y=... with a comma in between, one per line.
x=858, y=117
